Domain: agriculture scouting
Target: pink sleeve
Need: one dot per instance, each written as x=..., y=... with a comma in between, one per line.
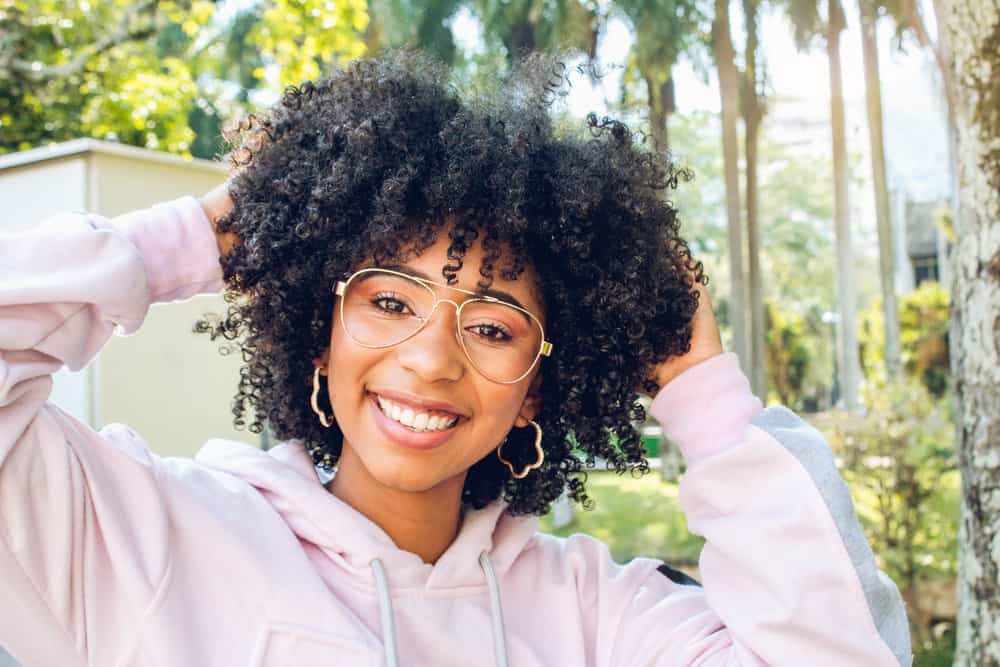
x=788, y=578
x=82, y=531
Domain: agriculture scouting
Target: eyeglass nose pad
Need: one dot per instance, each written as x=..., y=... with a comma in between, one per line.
x=434, y=309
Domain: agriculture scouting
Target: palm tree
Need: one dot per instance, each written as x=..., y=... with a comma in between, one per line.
x=523, y=26
x=753, y=114
x=808, y=25
x=423, y=25
x=664, y=30
x=729, y=97
x=873, y=96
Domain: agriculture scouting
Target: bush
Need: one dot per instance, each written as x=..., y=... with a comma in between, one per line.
x=899, y=460
x=923, y=338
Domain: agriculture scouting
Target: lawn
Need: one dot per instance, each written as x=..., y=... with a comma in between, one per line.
x=634, y=517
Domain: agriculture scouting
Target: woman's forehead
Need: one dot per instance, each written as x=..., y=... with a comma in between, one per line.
x=433, y=263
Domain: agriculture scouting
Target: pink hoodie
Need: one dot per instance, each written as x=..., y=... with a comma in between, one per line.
x=112, y=556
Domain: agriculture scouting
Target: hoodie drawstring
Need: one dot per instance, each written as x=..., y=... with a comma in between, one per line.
x=385, y=609
x=499, y=638
x=389, y=627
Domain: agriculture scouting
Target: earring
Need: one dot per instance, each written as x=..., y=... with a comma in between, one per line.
x=323, y=419
x=538, y=449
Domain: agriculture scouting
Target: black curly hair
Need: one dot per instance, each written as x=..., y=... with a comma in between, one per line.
x=378, y=159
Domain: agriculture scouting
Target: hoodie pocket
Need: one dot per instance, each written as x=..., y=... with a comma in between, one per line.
x=294, y=645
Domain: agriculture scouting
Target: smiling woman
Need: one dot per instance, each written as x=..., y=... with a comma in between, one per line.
x=485, y=298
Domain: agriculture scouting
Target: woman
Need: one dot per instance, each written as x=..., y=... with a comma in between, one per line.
x=437, y=301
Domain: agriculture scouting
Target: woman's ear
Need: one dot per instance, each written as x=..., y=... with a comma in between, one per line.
x=532, y=402
x=322, y=362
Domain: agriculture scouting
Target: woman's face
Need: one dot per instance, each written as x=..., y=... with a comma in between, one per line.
x=431, y=367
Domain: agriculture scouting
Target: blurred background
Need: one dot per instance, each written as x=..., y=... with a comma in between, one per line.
x=824, y=186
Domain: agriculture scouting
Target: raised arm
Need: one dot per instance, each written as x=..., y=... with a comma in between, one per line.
x=83, y=539
x=789, y=579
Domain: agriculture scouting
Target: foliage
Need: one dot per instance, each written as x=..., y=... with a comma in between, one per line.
x=634, y=517
x=301, y=38
x=795, y=213
x=157, y=73
x=663, y=30
x=900, y=459
x=939, y=650
x=413, y=24
x=521, y=26
x=73, y=69
x=923, y=332
x=789, y=355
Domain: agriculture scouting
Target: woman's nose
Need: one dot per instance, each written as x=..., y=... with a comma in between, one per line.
x=435, y=352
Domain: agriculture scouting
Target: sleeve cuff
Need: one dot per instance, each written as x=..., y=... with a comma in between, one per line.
x=707, y=408
x=178, y=248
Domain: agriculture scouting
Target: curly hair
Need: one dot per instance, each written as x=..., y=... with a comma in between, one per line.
x=375, y=161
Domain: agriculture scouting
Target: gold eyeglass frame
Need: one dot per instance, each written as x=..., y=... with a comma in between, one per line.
x=544, y=350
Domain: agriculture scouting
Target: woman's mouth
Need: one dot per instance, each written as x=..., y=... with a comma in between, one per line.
x=415, y=419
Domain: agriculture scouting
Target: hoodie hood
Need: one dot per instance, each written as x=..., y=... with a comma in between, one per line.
x=286, y=477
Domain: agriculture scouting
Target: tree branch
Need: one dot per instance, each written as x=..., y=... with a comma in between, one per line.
x=124, y=33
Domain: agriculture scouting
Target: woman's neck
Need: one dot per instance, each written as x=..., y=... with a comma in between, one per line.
x=424, y=523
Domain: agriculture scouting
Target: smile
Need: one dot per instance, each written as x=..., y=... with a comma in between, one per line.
x=419, y=421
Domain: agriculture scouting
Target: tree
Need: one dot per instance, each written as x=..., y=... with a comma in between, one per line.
x=805, y=17
x=729, y=97
x=752, y=106
x=873, y=96
x=69, y=70
x=406, y=23
x=522, y=26
x=972, y=31
x=796, y=199
x=303, y=37
x=664, y=30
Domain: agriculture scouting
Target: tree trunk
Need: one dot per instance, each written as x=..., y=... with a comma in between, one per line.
x=848, y=357
x=973, y=35
x=873, y=96
x=758, y=347
x=729, y=96
x=661, y=105
x=752, y=114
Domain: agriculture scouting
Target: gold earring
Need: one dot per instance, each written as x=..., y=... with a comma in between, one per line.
x=538, y=449
x=323, y=419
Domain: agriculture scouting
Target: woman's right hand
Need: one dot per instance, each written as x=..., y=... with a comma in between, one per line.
x=217, y=203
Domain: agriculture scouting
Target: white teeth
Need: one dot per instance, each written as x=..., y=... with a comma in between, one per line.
x=418, y=421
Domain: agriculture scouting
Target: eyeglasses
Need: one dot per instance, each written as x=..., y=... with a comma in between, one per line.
x=381, y=308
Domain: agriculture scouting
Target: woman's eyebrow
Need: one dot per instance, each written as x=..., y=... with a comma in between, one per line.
x=506, y=297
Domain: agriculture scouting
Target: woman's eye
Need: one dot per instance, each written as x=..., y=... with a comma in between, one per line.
x=390, y=305
x=492, y=332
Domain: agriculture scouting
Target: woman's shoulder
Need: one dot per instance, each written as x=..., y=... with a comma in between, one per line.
x=586, y=556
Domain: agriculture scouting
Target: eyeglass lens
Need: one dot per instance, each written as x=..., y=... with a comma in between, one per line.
x=382, y=309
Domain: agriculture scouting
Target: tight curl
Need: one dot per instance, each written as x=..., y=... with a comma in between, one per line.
x=382, y=156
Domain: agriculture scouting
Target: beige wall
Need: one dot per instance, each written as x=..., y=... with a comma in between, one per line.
x=167, y=383
x=32, y=192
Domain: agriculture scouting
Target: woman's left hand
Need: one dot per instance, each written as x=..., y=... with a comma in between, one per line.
x=706, y=342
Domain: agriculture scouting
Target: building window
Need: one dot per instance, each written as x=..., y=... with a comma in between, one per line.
x=924, y=269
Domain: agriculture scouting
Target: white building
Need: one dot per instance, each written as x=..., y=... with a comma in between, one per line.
x=167, y=383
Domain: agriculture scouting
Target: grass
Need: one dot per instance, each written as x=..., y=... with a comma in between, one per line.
x=634, y=517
